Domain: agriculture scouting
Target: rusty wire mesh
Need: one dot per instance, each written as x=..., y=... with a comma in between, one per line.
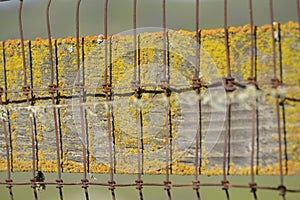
x=197, y=85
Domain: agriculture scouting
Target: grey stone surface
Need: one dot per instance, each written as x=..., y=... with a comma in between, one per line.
x=124, y=125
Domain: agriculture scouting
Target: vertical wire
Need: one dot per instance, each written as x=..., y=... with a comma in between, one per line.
x=257, y=105
x=229, y=88
x=58, y=110
x=107, y=95
x=252, y=37
x=229, y=138
x=196, y=87
x=50, y=41
x=8, y=179
x=79, y=90
x=107, y=91
x=298, y=14
x=273, y=39
x=164, y=40
x=169, y=110
x=6, y=101
x=165, y=87
x=77, y=39
x=139, y=133
x=226, y=40
x=22, y=40
x=199, y=101
x=138, y=94
x=114, y=147
x=26, y=90
x=197, y=70
x=52, y=90
x=282, y=103
x=105, y=42
x=255, y=50
x=276, y=83
x=252, y=81
x=141, y=113
x=226, y=131
x=134, y=41
x=32, y=104
x=165, y=81
x=85, y=113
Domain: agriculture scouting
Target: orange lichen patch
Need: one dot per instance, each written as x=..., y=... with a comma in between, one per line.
x=234, y=30
x=92, y=38
x=265, y=28
x=38, y=39
x=186, y=33
x=246, y=29
x=69, y=39
x=177, y=168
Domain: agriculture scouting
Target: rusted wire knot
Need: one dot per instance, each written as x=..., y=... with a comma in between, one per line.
x=111, y=185
x=26, y=89
x=197, y=83
x=79, y=87
x=52, y=88
x=253, y=187
x=167, y=185
x=106, y=87
x=85, y=183
x=275, y=82
x=225, y=185
x=33, y=182
x=137, y=89
x=9, y=183
x=196, y=184
x=282, y=190
x=165, y=86
x=252, y=80
x=139, y=184
x=228, y=84
x=135, y=85
x=59, y=183
x=1, y=91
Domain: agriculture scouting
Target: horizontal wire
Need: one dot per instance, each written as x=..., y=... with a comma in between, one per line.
x=262, y=187
x=86, y=87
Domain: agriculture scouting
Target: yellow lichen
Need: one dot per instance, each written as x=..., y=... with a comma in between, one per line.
x=121, y=64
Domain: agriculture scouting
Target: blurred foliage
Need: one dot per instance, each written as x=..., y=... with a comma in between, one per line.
x=180, y=15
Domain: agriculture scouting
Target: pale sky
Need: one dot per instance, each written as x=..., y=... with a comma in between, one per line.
x=180, y=15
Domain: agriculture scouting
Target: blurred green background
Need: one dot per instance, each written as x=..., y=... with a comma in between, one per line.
x=149, y=192
x=180, y=15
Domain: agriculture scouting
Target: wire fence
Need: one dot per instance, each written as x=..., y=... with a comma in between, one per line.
x=138, y=89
